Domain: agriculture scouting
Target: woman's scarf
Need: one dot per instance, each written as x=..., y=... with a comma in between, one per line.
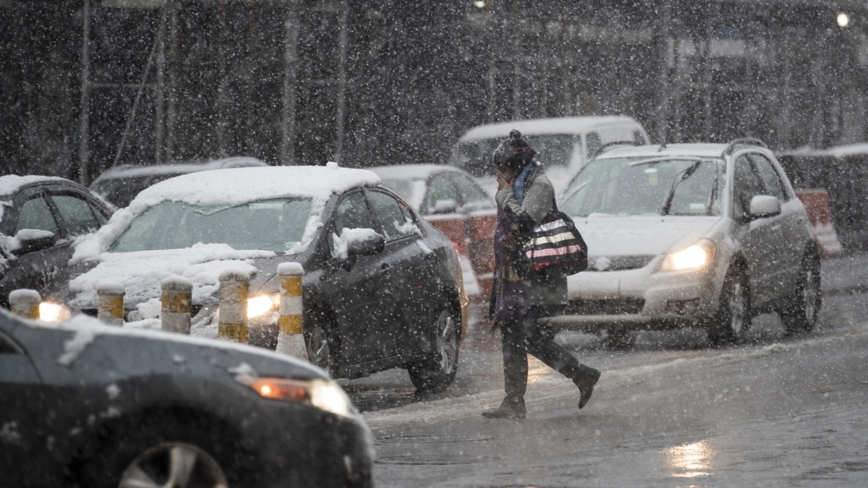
x=518, y=187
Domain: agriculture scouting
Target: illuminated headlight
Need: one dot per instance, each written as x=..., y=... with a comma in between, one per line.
x=322, y=394
x=54, y=312
x=262, y=304
x=695, y=256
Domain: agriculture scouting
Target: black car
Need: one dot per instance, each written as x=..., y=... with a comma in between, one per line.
x=89, y=405
x=121, y=184
x=40, y=216
x=391, y=299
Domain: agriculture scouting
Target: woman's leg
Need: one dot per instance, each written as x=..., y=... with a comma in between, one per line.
x=514, y=347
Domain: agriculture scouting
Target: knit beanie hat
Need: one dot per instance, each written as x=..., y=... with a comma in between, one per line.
x=514, y=152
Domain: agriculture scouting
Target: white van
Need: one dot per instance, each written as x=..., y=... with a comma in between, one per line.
x=562, y=144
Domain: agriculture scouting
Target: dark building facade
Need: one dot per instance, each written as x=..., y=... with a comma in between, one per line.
x=388, y=82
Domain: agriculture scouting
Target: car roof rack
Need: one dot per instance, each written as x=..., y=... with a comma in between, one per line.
x=743, y=141
x=610, y=144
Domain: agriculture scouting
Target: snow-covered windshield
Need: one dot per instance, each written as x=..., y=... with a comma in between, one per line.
x=647, y=186
x=269, y=225
x=552, y=149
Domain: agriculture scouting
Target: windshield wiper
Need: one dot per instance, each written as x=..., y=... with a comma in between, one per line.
x=683, y=175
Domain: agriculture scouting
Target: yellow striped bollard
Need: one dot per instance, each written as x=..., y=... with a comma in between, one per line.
x=175, y=309
x=110, y=303
x=234, y=287
x=290, y=338
x=25, y=303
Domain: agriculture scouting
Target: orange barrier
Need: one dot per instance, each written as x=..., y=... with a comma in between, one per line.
x=816, y=202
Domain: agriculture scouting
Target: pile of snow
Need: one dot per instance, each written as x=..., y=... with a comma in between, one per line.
x=141, y=273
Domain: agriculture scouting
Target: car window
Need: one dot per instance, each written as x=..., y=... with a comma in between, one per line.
x=468, y=191
x=352, y=213
x=76, y=214
x=395, y=220
x=35, y=214
x=747, y=185
x=593, y=143
x=442, y=188
x=770, y=177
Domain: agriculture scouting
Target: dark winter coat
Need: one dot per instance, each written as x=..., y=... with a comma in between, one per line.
x=538, y=200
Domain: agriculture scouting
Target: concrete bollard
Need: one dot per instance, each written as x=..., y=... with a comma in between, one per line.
x=175, y=309
x=234, y=287
x=290, y=338
x=110, y=303
x=25, y=303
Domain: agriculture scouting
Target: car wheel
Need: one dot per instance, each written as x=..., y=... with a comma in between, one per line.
x=174, y=464
x=618, y=340
x=436, y=372
x=802, y=309
x=732, y=320
x=318, y=348
x=159, y=452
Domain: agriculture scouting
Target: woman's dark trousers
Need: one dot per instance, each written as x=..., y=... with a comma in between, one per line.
x=519, y=339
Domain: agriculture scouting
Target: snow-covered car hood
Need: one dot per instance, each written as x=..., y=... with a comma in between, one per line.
x=140, y=273
x=612, y=235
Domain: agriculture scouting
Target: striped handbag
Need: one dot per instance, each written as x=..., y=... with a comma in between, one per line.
x=555, y=247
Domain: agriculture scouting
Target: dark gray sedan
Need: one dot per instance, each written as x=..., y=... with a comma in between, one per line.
x=95, y=406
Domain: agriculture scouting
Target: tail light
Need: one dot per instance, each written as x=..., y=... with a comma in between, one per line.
x=455, y=247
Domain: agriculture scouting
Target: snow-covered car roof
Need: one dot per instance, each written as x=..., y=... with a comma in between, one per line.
x=10, y=184
x=413, y=171
x=234, y=186
x=698, y=150
x=181, y=168
x=561, y=125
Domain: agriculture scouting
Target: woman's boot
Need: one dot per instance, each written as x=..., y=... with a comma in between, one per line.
x=510, y=408
x=585, y=378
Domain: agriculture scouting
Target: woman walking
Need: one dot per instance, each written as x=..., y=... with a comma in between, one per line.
x=524, y=197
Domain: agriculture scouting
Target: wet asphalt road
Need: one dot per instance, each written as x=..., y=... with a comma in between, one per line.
x=774, y=411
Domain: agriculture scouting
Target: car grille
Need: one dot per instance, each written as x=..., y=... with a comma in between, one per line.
x=620, y=306
x=618, y=263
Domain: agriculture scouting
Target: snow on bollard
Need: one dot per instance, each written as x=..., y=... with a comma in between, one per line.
x=290, y=338
x=25, y=303
x=175, y=310
x=110, y=303
x=234, y=286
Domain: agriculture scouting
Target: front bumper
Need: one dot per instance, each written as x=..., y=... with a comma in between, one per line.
x=638, y=299
x=302, y=446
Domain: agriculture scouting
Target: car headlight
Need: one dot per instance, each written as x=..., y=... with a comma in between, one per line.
x=54, y=312
x=322, y=394
x=262, y=304
x=695, y=256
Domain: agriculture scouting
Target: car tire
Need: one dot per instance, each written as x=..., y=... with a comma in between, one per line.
x=319, y=347
x=157, y=452
x=437, y=371
x=800, y=314
x=732, y=320
x=618, y=340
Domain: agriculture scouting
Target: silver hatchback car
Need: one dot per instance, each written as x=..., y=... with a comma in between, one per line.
x=689, y=235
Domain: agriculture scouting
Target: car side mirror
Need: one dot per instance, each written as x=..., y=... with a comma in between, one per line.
x=445, y=206
x=764, y=206
x=358, y=242
x=32, y=240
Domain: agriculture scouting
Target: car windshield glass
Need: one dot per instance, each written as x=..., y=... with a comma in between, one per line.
x=552, y=149
x=664, y=186
x=270, y=225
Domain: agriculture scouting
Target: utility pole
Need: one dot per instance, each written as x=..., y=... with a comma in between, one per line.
x=664, y=38
x=159, y=109
x=342, y=82
x=290, y=83
x=84, y=117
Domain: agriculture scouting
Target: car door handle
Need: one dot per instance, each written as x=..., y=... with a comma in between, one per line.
x=776, y=227
x=385, y=266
